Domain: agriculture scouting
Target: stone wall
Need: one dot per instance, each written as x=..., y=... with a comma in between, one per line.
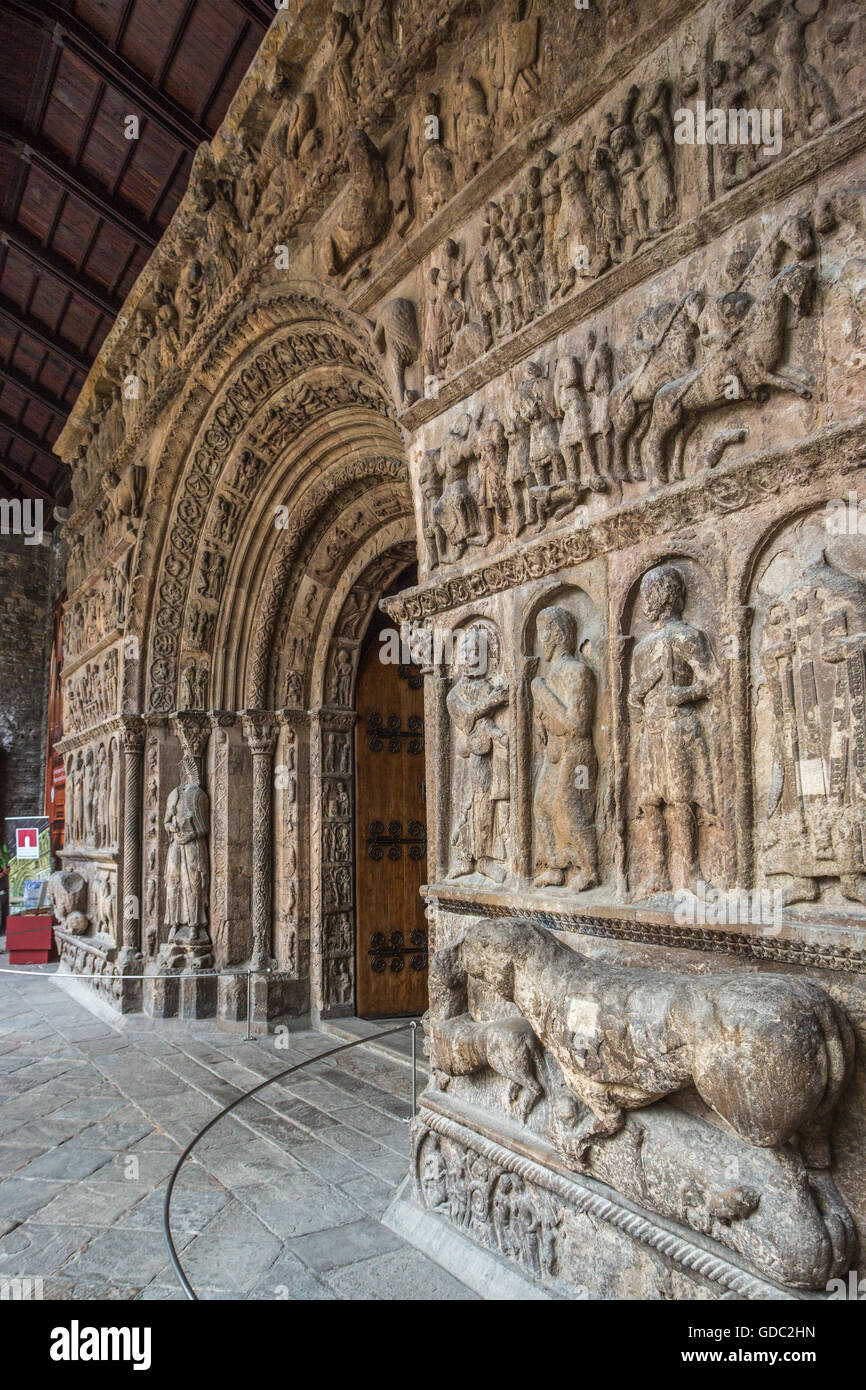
x=468, y=284
x=26, y=597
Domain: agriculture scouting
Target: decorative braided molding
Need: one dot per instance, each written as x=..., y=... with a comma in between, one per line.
x=845, y=958
x=582, y=1198
x=729, y=488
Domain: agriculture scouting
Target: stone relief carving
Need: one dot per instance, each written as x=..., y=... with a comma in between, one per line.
x=809, y=641
x=580, y=426
x=69, y=897
x=481, y=772
x=673, y=676
x=187, y=869
x=489, y=1203
x=599, y=1063
x=564, y=802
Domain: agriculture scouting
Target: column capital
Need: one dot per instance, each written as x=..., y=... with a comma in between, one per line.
x=133, y=731
x=260, y=730
x=193, y=731
x=292, y=719
x=222, y=718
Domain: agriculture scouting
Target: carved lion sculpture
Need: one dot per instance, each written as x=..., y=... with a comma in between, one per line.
x=69, y=896
x=459, y=1045
x=770, y=1054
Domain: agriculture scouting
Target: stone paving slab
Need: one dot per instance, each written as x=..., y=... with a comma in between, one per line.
x=282, y=1201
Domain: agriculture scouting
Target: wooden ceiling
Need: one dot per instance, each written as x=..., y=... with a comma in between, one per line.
x=81, y=205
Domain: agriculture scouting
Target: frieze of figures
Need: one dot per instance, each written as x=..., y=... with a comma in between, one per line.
x=600, y=416
x=90, y=693
x=93, y=795
x=492, y=1205
x=606, y=188
x=95, y=614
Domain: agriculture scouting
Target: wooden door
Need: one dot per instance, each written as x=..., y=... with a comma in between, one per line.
x=390, y=836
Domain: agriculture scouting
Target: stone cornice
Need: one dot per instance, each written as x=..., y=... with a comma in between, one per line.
x=832, y=944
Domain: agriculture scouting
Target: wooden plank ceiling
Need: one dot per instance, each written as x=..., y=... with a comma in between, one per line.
x=82, y=206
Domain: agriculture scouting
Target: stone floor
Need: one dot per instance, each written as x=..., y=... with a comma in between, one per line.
x=283, y=1200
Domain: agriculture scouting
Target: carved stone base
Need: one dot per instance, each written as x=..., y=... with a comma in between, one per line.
x=161, y=996
x=198, y=996
x=567, y=1233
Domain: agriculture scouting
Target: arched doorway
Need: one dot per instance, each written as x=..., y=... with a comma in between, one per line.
x=390, y=829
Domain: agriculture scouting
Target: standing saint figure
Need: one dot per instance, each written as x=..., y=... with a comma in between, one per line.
x=480, y=791
x=564, y=804
x=187, y=877
x=673, y=673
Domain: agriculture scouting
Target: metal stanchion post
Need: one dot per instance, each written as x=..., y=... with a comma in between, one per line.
x=249, y=1004
x=412, y=1031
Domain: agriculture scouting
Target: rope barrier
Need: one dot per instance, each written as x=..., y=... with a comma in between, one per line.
x=331, y=1052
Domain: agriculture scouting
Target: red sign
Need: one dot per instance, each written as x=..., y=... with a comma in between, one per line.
x=58, y=775
x=27, y=841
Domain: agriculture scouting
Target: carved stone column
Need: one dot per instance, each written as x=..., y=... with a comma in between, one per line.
x=260, y=732
x=738, y=668
x=437, y=739
x=291, y=906
x=132, y=732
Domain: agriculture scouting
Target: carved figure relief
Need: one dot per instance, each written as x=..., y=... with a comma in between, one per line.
x=809, y=676
x=564, y=803
x=768, y=1054
x=187, y=878
x=480, y=769
x=673, y=675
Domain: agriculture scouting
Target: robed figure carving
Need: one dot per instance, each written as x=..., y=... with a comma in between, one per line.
x=673, y=674
x=187, y=878
x=813, y=655
x=564, y=805
x=481, y=793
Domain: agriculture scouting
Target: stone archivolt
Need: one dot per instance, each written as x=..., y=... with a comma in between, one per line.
x=604, y=386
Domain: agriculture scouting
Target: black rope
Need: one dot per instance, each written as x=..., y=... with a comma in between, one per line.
x=166, y=1211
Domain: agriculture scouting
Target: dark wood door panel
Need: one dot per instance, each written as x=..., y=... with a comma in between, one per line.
x=391, y=836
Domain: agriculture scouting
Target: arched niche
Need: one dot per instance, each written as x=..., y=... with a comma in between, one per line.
x=807, y=595
x=563, y=764
x=674, y=755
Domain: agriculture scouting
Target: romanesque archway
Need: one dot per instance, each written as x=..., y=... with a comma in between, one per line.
x=278, y=513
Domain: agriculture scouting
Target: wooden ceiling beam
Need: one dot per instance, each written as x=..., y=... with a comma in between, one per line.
x=35, y=150
x=36, y=329
x=114, y=69
x=35, y=389
x=26, y=437
x=261, y=11
x=22, y=480
x=60, y=269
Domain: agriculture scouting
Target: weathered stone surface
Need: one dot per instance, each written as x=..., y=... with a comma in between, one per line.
x=440, y=292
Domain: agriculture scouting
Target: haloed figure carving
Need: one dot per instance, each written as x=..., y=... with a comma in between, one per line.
x=481, y=786
x=564, y=806
x=673, y=673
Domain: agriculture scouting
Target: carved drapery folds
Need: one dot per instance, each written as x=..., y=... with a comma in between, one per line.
x=480, y=793
x=627, y=365
x=187, y=871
